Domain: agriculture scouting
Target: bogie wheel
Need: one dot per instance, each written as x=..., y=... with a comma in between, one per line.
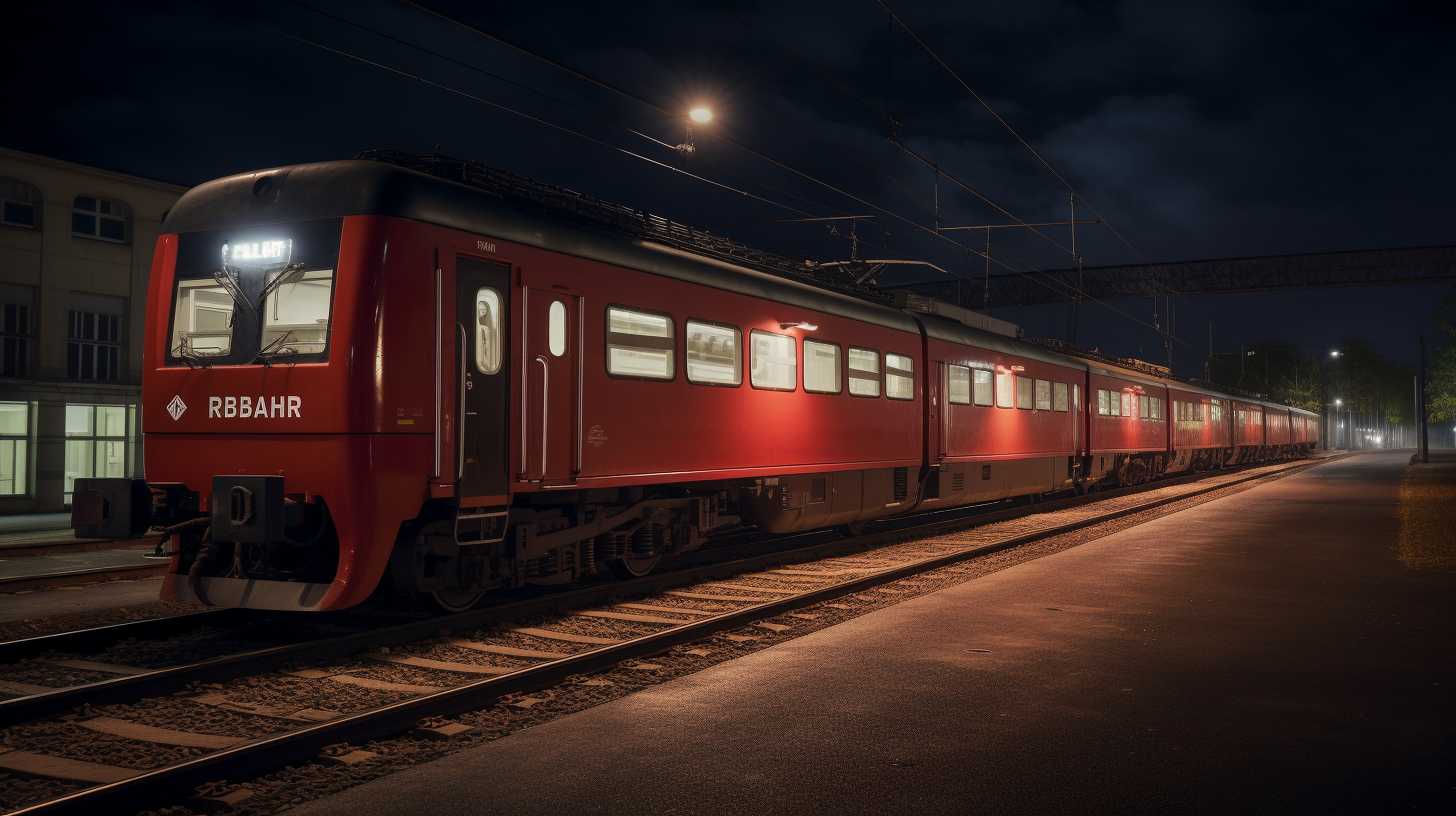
x=852, y=529
x=412, y=561
x=634, y=567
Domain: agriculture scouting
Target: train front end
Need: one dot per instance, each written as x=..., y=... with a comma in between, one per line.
x=273, y=462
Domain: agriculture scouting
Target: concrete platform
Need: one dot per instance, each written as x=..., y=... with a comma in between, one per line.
x=1266, y=652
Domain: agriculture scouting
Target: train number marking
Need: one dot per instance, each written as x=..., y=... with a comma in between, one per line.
x=486, y=246
x=596, y=436
x=245, y=407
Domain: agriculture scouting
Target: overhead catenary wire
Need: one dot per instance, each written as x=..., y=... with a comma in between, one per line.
x=1051, y=283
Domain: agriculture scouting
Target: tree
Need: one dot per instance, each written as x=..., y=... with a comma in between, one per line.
x=1441, y=371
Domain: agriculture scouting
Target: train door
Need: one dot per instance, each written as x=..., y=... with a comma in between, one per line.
x=551, y=357
x=482, y=296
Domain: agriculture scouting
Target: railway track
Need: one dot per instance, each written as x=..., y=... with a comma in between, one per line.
x=297, y=699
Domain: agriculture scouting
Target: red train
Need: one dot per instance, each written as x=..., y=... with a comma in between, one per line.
x=429, y=377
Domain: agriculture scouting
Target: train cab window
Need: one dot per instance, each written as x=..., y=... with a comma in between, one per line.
x=775, y=364
x=1024, y=396
x=958, y=385
x=556, y=328
x=1043, y=395
x=821, y=367
x=1005, y=389
x=1059, y=396
x=899, y=377
x=983, y=385
x=864, y=372
x=639, y=344
x=296, y=311
x=488, y=330
x=202, y=324
x=714, y=356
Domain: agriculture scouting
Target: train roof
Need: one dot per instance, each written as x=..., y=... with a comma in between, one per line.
x=622, y=237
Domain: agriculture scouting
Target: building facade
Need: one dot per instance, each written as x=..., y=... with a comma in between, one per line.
x=75, y=251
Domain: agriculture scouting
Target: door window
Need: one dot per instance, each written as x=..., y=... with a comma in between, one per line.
x=488, y=330
x=556, y=328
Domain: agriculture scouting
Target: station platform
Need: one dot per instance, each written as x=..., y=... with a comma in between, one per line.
x=1287, y=648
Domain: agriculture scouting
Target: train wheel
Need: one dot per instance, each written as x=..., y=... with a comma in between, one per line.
x=634, y=567
x=423, y=574
x=852, y=529
x=454, y=600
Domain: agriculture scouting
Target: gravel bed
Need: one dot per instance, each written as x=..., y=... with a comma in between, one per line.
x=616, y=630
x=183, y=714
x=455, y=654
x=395, y=673
x=35, y=627
x=520, y=641
x=693, y=604
x=19, y=790
x=67, y=739
x=40, y=673
x=284, y=691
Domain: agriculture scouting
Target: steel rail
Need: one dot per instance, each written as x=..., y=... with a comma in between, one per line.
x=268, y=753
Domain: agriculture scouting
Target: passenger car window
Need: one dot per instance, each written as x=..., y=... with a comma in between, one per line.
x=774, y=362
x=1043, y=395
x=821, y=367
x=1059, y=396
x=1102, y=402
x=1144, y=406
x=487, y=330
x=714, y=355
x=1024, y=397
x=899, y=377
x=1126, y=404
x=639, y=344
x=984, y=386
x=556, y=328
x=958, y=384
x=864, y=372
x=1005, y=389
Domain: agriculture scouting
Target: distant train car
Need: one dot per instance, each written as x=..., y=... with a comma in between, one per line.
x=428, y=378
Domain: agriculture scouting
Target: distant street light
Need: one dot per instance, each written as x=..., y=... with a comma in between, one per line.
x=1335, y=353
x=1339, y=402
x=701, y=114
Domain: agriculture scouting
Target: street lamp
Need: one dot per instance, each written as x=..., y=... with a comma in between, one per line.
x=702, y=114
x=1335, y=353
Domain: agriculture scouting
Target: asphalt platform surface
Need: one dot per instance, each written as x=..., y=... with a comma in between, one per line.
x=1270, y=652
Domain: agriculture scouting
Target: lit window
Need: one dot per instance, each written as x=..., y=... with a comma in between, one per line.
x=296, y=312
x=93, y=346
x=203, y=320
x=487, y=330
x=101, y=219
x=556, y=328
x=1025, y=396
x=20, y=204
x=1005, y=389
x=821, y=367
x=1043, y=395
x=958, y=385
x=14, y=448
x=774, y=362
x=864, y=372
x=1103, y=408
x=985, y=386
x=1059, y=396
x=1145, y=409
x=1126, y=404
x=899, y=377
x=639, y=344
x=98, y=441
x=1076, y=397
x=1217, y=410
x=713, y=354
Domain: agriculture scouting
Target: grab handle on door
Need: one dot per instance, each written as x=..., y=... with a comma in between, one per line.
x=545, y=412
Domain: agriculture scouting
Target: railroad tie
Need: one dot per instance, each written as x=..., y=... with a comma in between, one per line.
x=161, y=736
x=441, y=665
x=680, y=610
x=628, y=616
x=74, y=770
x=567, y=637
x=507, y=651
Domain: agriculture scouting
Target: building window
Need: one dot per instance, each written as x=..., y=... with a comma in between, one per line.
x=98, y=442
x=639, y=344
x=714, y=356
x=821, y=367
x=1059, y=396
x=556, y=328
x=864, y=372
x=101, y=218
x=775, y=365
x=984, y=386
x=958, y=384
x=899, y=377
x=15, y=333
x=93, y=346
x=14, y=448
x=20, y=204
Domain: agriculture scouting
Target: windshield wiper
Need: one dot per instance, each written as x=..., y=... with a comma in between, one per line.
x=266, y=354
x=227, y=280
x=292, y=273
x=190, y=357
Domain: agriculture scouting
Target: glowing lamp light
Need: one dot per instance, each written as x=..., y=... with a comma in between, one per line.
x=1339, y=402
x=798, y=324
x=1334, y=353
x=257, y=254
x=1018, y=368
x=701, y=115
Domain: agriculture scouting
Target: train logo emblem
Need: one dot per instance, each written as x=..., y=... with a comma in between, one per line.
x=176, y=407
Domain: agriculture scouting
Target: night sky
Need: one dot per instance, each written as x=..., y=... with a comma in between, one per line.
x=1220, y=129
